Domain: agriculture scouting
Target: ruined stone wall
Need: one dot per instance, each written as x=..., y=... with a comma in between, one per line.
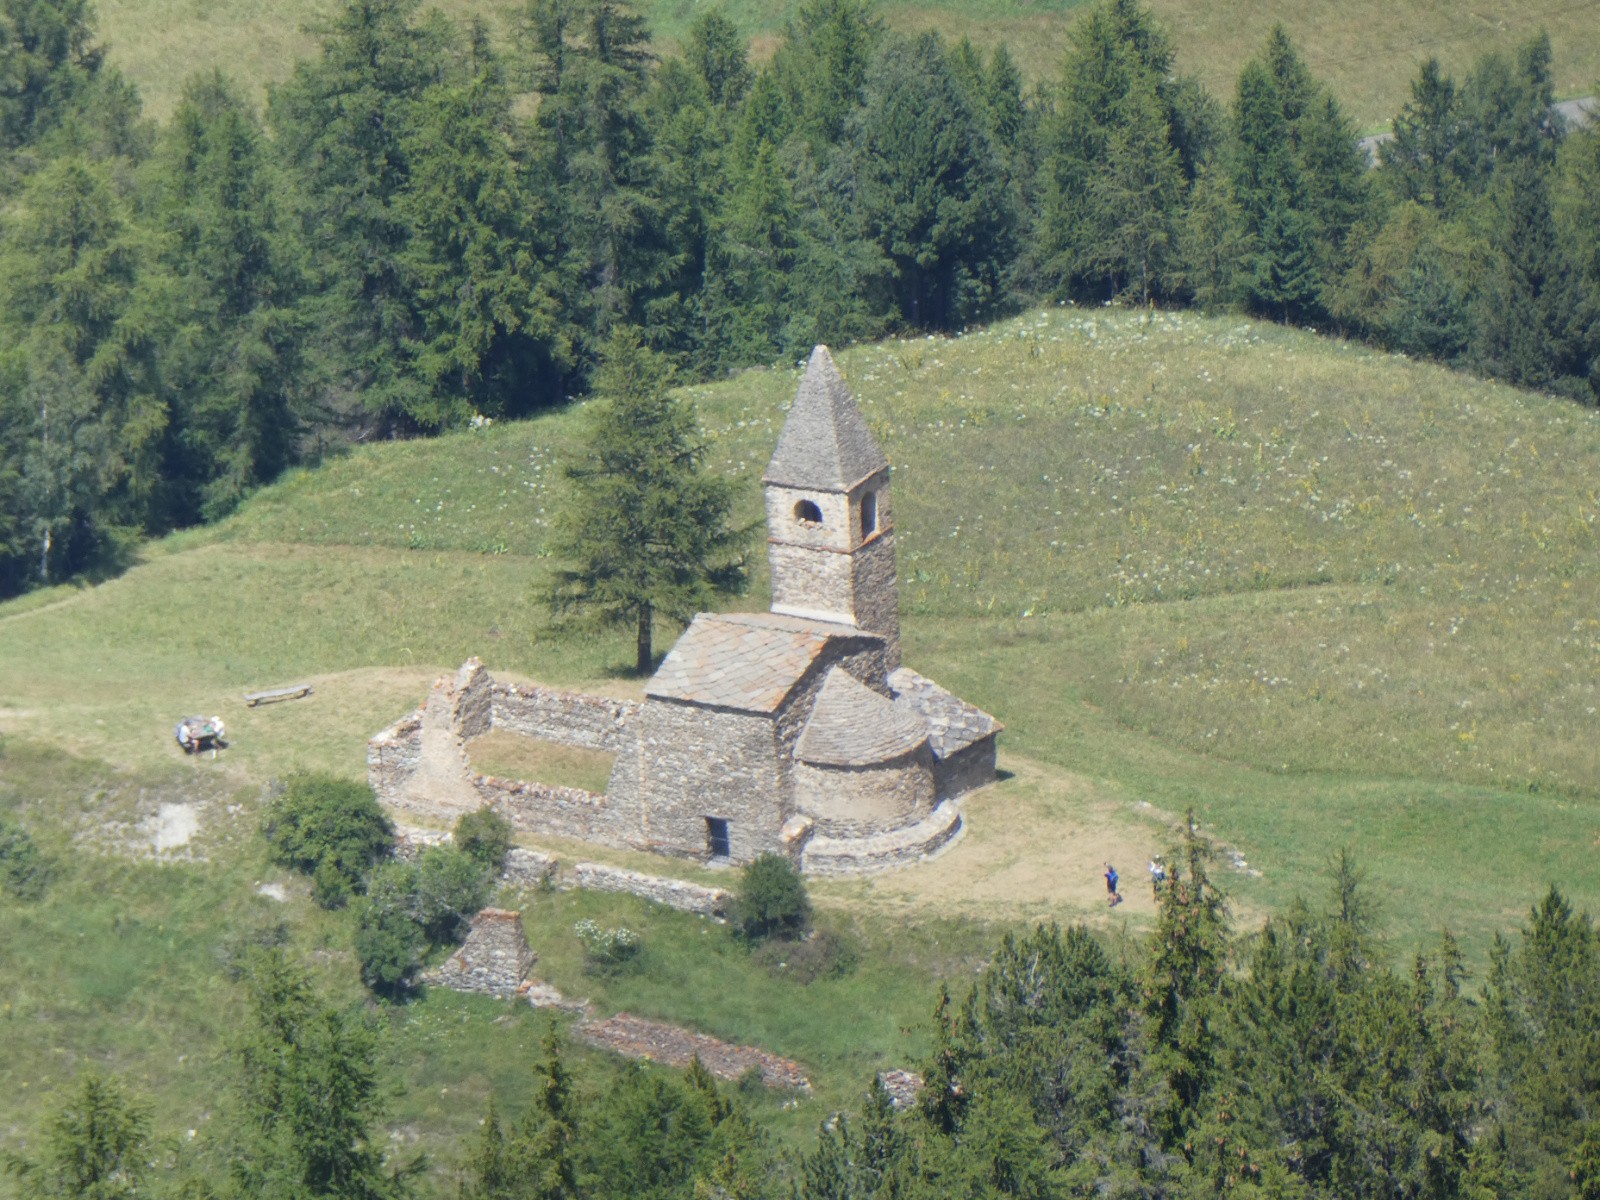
x=862, y=801
x=704, y=762
x=674, y=893
x=570, y=718
x=393, y=757
x=965, y=770
x=473, y=705
x=533, y=807
x=495, y=959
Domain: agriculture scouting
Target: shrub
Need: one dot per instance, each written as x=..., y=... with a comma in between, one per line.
x=823, y=954
x=486, y=836
x=331, y=829
x=771, y=901
x=25, y=870
x=450, y=887
x=389, y=945
x=606, y=949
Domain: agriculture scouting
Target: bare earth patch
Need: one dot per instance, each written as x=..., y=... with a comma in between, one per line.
x=655, y=1041
x=1035, y=848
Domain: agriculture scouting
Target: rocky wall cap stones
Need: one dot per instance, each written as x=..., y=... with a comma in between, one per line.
x=952, y=723
x=744, y=661
x=853, y=726
x=825, y=444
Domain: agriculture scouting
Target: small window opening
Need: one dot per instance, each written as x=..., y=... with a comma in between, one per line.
x=717, y=844
x=869, y=513
x=807, y=513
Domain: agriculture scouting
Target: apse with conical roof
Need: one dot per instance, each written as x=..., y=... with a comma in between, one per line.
x=830, y=533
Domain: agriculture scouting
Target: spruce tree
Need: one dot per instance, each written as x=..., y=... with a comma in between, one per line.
x=1422, y=162
x=929, y=188
x=646, y=530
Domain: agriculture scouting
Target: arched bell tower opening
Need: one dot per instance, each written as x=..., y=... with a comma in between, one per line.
x=830, y=531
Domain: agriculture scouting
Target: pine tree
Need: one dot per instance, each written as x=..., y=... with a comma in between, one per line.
x=343, y=125
x=1534, y=318
x=48, y=60
x=821, y=68
x=929, y=188
x=487, y=333
x=97, y=1146
x=233, y=366
x=646, y=530
x=1422, y=162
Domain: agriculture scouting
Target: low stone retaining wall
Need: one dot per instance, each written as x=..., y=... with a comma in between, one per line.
x=674, y=893
x=570, y=718
x=851, y=856
x=529, y=868
x=634, y=1037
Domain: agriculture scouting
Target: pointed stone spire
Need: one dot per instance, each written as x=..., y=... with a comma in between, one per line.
x=825, y=443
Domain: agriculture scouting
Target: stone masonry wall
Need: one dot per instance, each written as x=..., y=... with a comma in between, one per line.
x=674, y=893
x=570, y=718
x=533, y=807
x=393, y=757
x=705, y=762
x=811, y=582
x=862, y=801
x=966, y=770
x=873, y=586
x=495, y=959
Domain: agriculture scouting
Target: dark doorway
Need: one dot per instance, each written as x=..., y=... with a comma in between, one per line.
x=717, y=837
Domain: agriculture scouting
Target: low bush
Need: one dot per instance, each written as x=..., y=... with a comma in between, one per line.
x=486, y=836
x=25, y=869
x=331, y=829
x=606, y=950
x=770, y=901
x=389, y=945
x=822, y=954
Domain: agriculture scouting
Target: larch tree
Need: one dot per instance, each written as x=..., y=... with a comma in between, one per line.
x=647, y=530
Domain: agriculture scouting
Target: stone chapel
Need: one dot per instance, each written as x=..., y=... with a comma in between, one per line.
x=794, y=731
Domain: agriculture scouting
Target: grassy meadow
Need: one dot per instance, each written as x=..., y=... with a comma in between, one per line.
x=1322, y=596
x=1367, y=51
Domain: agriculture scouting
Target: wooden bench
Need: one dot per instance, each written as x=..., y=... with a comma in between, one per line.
x=271, y=694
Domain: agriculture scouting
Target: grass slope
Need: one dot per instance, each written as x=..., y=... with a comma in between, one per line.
x=1368, y=51
x=1323, y=596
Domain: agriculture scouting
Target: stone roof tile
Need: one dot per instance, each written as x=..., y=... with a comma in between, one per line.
x=853, y=726
x=825, y=443
x=746, y=661
x=953, y=724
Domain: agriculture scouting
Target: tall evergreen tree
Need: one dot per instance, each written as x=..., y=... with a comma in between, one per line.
x=1113, y=174
x=929, y=188
x=343, y=125
x=233, y=368
x=1423, y=161
x=646, y=531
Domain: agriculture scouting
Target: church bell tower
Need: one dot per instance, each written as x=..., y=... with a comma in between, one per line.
x=830, y=527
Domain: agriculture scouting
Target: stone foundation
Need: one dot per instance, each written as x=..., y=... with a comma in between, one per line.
x=902, y=847
x=569, y=718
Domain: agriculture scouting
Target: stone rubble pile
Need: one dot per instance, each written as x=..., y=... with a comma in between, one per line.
x=654, y=1041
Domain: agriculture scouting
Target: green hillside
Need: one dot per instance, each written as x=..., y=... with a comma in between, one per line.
x=1325, y=597
x=1366, y=51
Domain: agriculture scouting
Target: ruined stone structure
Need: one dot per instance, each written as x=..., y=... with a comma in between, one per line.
x=795, y=731
x=495, y=959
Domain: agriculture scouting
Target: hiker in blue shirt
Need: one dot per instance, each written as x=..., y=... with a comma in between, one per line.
x=1113, y=897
